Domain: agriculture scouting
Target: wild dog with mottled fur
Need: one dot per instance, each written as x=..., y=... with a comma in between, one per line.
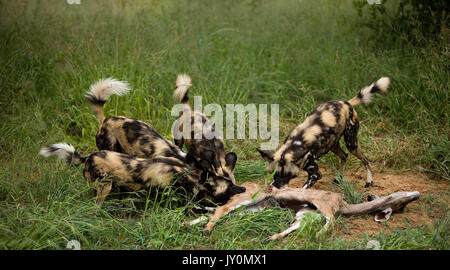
x=107, y=169
x=224, y=162
x=123, y=134
x=320, y=133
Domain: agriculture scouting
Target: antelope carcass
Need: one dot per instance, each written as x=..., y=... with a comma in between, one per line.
x=258, y=197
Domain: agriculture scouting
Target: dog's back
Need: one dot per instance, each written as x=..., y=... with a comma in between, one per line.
x=321, y=130
x=123, y=134
x=131, y=173
x=134, y=137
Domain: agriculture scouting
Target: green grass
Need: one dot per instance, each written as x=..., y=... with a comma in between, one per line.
x=349, y=190
x=293, y=53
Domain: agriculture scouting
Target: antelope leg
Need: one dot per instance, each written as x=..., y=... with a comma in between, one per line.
x=257, y=205
x=295, y=226
x=206, y=208
x=218, y=213
x=196, y=221
x=324, y=230
x=222, y=211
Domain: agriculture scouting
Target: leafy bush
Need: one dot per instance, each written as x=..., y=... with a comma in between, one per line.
x=416, y=21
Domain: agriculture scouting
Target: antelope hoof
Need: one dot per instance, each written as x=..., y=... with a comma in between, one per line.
x=206, y=233
x=383, y=215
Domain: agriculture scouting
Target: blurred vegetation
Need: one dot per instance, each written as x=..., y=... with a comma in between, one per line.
x=415, y=21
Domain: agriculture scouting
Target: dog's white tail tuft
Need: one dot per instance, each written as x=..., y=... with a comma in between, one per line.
x=103, y=89
x=183, y=85
x=365, y=95
x=63, y=151
x=100, y=91
x=383, y=84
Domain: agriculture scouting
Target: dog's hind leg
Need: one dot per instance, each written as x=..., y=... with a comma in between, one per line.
x=351, y=141
x=337, y=150
x=357, y=152
x=106, y=139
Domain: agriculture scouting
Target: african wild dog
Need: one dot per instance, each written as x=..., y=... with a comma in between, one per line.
x=107, y=169
x=123, y=134
x=223, y=162
x=320, y=133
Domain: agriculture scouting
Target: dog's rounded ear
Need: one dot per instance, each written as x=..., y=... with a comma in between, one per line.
x=266, y=155
x=230, y=160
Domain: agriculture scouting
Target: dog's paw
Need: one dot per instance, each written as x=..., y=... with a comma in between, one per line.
x=370, y=184
x=336, y=181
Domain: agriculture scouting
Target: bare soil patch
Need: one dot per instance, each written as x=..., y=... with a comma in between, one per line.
x=416, y=214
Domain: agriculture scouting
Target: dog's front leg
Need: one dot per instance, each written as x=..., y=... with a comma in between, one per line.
x=312, y=169
x=103, y=189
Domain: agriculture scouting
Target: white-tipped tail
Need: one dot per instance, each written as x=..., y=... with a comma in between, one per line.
x=183, y=84
x=103, y=89
x=61, y=150
x=365, y=95
x=100, y=91
x=383, y=84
